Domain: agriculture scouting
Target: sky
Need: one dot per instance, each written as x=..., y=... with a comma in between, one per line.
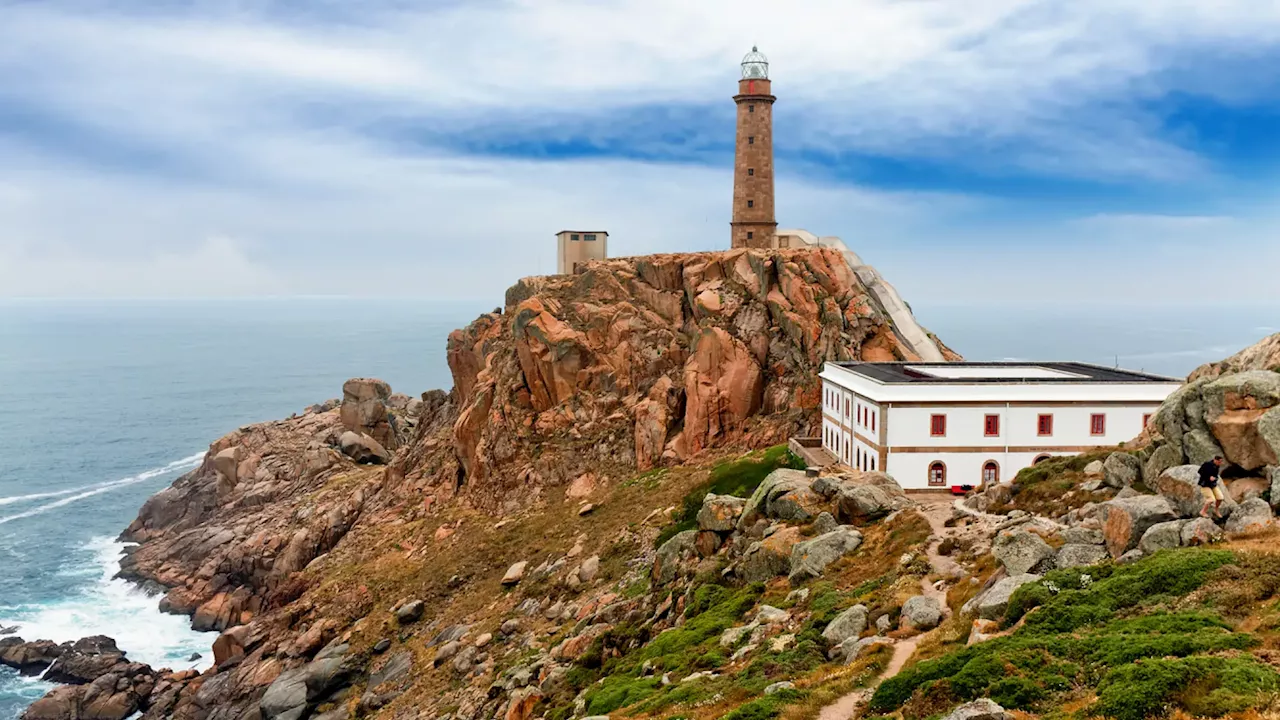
x=987, y=151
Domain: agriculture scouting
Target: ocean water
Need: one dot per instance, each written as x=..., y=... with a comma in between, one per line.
x=104, y=403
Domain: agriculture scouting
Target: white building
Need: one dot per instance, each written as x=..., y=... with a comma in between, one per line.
x=943, y=425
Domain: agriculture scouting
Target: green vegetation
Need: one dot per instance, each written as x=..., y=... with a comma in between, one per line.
x=736, y=477
x=1126, y=632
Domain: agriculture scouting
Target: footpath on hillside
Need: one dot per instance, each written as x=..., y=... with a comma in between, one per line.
x=937, y=510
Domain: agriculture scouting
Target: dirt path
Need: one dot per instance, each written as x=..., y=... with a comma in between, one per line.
x=937, y=511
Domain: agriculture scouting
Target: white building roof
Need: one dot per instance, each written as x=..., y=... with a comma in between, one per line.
x=997, y=382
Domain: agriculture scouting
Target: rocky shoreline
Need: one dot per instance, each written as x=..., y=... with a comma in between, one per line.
x=541, y=540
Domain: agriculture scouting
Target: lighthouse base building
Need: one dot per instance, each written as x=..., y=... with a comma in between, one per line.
x=940, y=426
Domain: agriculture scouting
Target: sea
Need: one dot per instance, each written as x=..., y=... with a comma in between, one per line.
x=104, y=403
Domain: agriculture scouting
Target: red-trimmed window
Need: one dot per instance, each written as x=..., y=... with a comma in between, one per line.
x=1044, y=425
x=873, y=422
x=846, y=408
x=938, y=425
x=1097, y=424
x=1146, y=420
x=991, y=426
x=937, y=475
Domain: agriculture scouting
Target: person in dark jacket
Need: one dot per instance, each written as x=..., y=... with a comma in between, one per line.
x=1210, y=487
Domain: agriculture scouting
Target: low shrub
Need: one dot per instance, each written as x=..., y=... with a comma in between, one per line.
x=1105, y=627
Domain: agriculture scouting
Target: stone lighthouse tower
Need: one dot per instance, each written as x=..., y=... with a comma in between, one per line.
x=753, y=223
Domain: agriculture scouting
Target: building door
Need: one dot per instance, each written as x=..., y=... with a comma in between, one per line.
x=937, y=475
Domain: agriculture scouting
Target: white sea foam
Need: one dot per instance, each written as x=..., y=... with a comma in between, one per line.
x=88, y=491
x=118, y=609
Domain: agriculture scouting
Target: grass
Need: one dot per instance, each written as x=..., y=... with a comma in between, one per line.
x=1145, y=638
x=1053, y=486
x=739, y=478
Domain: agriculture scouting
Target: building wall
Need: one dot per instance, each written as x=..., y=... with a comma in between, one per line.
x=753, y=208
x=570, y=253
x=872, y=435
x=965, y=447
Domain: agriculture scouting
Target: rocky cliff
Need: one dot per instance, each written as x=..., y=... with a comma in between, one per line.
x=582, y=411
x=643, y=362
x=1262, y=355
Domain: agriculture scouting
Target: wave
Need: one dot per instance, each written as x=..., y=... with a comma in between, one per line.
x=78, y=494
x=110, y=606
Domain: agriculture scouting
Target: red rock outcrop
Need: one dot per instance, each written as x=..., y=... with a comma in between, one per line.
x=637, y=362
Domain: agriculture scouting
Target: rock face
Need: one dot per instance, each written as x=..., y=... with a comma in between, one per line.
x=1237, y=414
x=1162, y=536
x=1181, y=487
x=1121, y=470
x=101, y=683
x=1263, y=355
x=871, y=500
x=652, y=360
x=1078, y=554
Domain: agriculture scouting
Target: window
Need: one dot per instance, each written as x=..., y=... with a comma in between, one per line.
x=751, y=108
x=1040, y=459
x=751, y=203
x=938, y=425
x=1146, y=420
x=575, y=237
x=990, y=473
x=859, y=454
x=860, y=410
x=589, y=237
x=1097, y=424
x=873, y=462
x=1044, y=426
x=873, y=422
x=751, y=171
x=846, y=407
x=751, y=140
x=937, y=475
x=991, y=426
x=750, y=235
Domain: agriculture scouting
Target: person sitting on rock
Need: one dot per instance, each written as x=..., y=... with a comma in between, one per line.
x=1210, y=488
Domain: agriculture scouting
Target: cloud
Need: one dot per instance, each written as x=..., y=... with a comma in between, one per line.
x=429, y=149
x=216, y=267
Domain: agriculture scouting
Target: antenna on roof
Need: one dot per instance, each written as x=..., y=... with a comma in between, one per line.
x=1117, y=365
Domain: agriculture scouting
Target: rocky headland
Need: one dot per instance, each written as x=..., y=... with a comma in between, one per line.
x=601, y=518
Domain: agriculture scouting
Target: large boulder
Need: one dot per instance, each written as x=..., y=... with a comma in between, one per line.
x=1181, y=487
x=871, y=501
x=365, y=410
x=674, y=553
x=1021, y=551
x=769, y=558
x=1162, y=536
x=1163, y=458
x=1200, y=531
x=777, y=483
x=1120, y=470
x=921, y=613
x=1250, y=516
x=363, y=448
x=1200, y=447
x=1242, y=412
x=1080, y=554
x=811, y=557
x=982, y=709
x=1124, y=521
x=799, y=504
x=720, y=513
x=991, y=604
x=848, y=624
